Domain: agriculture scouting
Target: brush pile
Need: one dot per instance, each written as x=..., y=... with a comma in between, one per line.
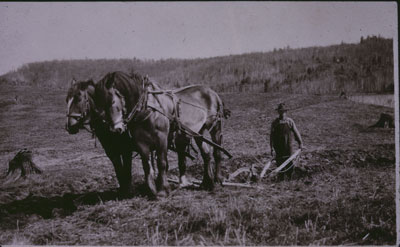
x=385, y=121
x=22, y=163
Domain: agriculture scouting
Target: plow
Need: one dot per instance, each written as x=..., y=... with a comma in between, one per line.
x=253, y=176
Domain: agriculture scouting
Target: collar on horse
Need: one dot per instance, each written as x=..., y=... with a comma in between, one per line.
x=142, y=111
x=138, y=112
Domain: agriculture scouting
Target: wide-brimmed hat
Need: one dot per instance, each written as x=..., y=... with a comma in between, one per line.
x=282, y=107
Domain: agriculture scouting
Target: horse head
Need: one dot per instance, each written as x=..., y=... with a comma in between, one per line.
x=79, y=105
x=117, y=96
x=115, y=108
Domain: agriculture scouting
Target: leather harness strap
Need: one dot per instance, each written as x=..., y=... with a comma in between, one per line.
x=137, y=109
x=142, y=105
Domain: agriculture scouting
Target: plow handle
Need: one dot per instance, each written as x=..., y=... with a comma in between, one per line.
x=206, y=140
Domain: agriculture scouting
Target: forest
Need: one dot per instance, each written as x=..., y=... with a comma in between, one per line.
x=365, y=67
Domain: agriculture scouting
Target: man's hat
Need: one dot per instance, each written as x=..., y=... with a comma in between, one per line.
x=282, y=107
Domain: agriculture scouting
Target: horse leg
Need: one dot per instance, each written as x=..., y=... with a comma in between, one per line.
x=208, y=176
x=116, y=161
x=216, y=136
x=148, y=169
x=161, y=152
x=127, y=170
x=182, y=143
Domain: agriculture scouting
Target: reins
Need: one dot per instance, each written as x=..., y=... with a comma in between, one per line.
x=81, y=116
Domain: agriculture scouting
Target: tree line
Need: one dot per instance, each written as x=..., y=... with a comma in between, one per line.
x=365, y=67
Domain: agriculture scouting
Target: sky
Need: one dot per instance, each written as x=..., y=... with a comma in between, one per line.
x=43, y=31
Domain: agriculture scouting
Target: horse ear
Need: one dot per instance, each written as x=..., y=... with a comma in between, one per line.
x=73, y=81
x=109, y=83
x=85, y=85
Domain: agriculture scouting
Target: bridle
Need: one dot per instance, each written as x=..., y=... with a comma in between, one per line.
x=133, y=115
x=81, y=116
x=122, y=99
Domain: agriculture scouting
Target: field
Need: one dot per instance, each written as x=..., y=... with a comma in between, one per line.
x=342, y=192
x=383, y=100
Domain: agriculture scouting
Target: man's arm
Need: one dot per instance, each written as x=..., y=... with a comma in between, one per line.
x=297, y=135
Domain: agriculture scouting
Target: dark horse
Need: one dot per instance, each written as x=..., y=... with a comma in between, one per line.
x=157, y=119
x=81, y=112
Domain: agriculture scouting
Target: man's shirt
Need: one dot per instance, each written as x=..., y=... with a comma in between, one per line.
x=282, y=131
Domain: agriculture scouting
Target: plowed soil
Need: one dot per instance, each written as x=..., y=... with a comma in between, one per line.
x=342, y=191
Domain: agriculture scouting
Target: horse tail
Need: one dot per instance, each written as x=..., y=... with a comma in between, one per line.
x=222, y=110
x=225, y=111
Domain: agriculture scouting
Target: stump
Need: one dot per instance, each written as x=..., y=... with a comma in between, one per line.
x=23, y=162
x=385, y=121
x=343, y=95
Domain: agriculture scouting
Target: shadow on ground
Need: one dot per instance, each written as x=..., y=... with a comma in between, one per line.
x=60, y=206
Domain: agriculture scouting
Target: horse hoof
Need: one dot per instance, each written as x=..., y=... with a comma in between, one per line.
x=207, y=186
x=219, y=180
x=184, y=182
x=162, y=194
x=153, y=197
x=152, y=186
x=124, y=193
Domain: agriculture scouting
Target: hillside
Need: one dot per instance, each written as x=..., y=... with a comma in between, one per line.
x=366, y=67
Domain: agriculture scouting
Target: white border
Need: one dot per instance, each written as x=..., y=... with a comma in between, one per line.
x=396, y=113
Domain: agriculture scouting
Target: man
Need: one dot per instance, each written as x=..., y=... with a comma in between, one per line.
x=283, y=129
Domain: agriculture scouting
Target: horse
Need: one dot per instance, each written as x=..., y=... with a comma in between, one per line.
x=82, y=112
x=179, y=115
x=118, y=94
x=201, y=110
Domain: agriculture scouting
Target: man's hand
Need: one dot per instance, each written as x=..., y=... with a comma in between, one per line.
x=272, y=152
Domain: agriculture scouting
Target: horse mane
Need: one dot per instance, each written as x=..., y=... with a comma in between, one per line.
x=129, y=86
x=135, y=76
x=81, y=85
x=146, y=80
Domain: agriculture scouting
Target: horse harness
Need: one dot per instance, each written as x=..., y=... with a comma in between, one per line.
x=142, y=111
x=79, y=116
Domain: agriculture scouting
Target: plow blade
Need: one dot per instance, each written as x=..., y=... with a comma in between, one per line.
x=286, y=162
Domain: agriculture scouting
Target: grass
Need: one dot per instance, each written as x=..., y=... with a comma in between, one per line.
x=289, y=213
x=383, y=100
x=343, y=191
